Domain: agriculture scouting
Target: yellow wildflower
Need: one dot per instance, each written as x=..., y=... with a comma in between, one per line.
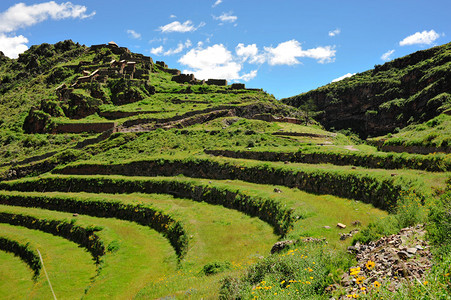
x=376, y=284
x=370, y=264
x=359, y=280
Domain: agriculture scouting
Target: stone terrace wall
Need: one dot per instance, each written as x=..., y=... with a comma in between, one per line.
x=219, y=82
x=409, y=149
x=84, y=127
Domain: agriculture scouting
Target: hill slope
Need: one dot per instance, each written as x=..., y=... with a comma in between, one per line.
x=182, y=188
x=407, y=90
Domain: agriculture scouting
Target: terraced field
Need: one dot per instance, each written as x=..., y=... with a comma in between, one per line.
x=187, y=189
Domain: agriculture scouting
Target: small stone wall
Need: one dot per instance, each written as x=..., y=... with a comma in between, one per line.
x=238, y=86
x=161, y=64
x=184, y=78
x=409, y=149
x=84, y=127
x=271, y=118
x=218, y=82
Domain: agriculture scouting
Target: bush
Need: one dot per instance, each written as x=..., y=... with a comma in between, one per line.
x=215, y=267
x=300, y=273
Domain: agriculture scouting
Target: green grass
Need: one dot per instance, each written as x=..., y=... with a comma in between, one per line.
x=70, y=268
x=433, y=133
x=217, y=233
x=206, y=228
x=15, y=277
x=141, y=263
x=149, y=253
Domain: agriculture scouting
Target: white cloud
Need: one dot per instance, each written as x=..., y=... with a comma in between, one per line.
x=180, y=48
x=334, y=32
x=387, y=55
x=176, y=26
x=157, y=51
x=343, y=77
x=287, y=53
x=226, y=17
x=249, y=52
x=322, y=54
x=159, y=40
x=212, y=62
x=251, y=75
x=13, y=46
x=133, y=34
x=172, y=16
x=217, y=3
x=21, y=15
x=422, y=38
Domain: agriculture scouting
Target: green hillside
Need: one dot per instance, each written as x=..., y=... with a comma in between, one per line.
x=135, y=181
x=408, y=90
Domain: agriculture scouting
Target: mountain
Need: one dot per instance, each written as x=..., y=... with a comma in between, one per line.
x=408, y=90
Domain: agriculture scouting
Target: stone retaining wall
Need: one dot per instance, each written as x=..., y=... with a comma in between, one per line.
x=83, y=127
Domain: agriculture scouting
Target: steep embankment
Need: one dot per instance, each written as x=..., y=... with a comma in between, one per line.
x=411, y=89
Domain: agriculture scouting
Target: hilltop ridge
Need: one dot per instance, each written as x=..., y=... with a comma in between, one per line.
x=408, y=90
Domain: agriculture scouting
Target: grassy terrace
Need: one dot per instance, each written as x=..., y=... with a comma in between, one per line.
x=128, y=243
x=151, y=257
x=19, y=276
x=70, y=266
x=210, y=235
x=430, y=181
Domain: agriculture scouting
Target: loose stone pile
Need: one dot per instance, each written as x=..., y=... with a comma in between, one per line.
x=387, y=261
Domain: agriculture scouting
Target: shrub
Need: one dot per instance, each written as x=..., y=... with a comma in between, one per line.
x=215, y=267
x=299, y=273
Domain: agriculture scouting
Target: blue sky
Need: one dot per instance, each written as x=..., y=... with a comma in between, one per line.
x=283, y=46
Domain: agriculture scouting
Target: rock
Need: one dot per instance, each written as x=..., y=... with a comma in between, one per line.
x=344, y=236
x=313, y=240
x=353, y=249
x=277, y=190
x=327, y=227
x=403, y=255
x=341, y=226
x=356, y=223
x=286, y=162
x=279, y=246
x=75, y=215
x=412, y=250
x=419, y=247
x=346, y=280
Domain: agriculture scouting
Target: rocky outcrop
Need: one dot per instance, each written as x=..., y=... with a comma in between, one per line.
x=388, y=261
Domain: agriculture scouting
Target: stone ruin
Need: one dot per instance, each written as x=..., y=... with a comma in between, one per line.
x=187, y=78
x=218, y=82
x=238, y=86
x=116, y=69
x=162, y=66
